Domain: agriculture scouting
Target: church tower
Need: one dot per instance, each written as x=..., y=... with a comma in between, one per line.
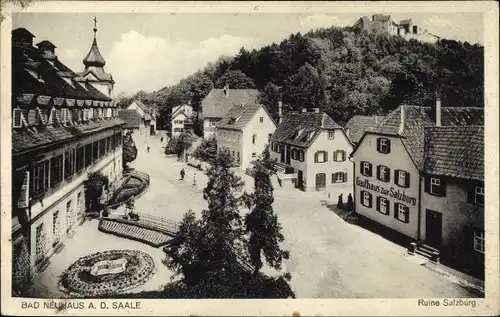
x=94, y=72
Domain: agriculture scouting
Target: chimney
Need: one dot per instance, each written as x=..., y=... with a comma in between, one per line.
x=437, y=112
x=401, y=120
x=226, y=90
x=316, y=110
x=304, y=110
x=47, y=50
x=280, y=111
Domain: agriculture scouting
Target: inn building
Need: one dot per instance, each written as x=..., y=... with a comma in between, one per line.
x=314, y=149
x=395, y=163
x=65, y=125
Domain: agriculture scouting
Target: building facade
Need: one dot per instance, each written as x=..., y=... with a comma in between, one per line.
x=244, y=132
x=181, y=115
x=140, y=121
x=392, y=176
x=315, y=149
x=62, y=130
x=218, y=102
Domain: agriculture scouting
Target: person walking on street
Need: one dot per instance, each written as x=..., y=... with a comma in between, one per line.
x=148, y=149
x=182, y=174
x=194, y=179
x=161, y=140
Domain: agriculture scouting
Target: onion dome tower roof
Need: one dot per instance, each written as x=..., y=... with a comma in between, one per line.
x=94, y=57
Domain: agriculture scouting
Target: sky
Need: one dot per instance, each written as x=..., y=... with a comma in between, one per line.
x=150, y=51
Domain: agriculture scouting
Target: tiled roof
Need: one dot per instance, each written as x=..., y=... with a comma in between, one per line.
x=415, y=119
x=132, y=118
x=28, y=65
x=182, y=108
x=296, y=127
x=25, y=139
x=358, y=124
x=238, y=117
x=216, y=104
x=381, y=17
x=455, y=151
x=98, y=73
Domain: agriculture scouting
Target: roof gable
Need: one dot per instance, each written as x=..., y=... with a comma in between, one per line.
x=238, y=117
x=358, y=124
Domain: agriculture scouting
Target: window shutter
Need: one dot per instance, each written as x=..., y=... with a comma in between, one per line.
x=378, y=203
x=334, y=177
x=369, y=169
x=335, y=156
x=370, y=200
x=442, y=189
x=396, y=177
x=343, y=156
x=316, y=157
x=407, y=214
x=388, y=146
x=303, y=155
x=407, y=179
x=25, y=193
x=326, y=156
x=345, y=177
x=427, y=184
x=16, y=118
x=387, y=174
x=378, y=171
x=378, y=144
x=396, y=210
x=388, y=208
x=361, y=167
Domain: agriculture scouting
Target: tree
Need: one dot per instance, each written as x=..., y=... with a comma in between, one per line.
x=207, y=151
x=94, y=188
x=183, y=143
x=305, y=88
x=236, y=79
x=261, y=222
x=129, y=153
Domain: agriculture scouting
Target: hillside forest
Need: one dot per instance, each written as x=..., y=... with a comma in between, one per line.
x=342, y=71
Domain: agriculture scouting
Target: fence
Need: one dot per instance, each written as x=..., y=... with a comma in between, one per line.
x=159, y=223
x=141, y=175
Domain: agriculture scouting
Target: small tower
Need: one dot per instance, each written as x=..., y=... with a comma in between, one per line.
x=94, y=72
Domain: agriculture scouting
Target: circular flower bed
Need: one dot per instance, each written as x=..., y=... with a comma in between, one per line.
x=78, y=280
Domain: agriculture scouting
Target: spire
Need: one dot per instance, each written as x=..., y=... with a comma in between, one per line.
x=94, y=57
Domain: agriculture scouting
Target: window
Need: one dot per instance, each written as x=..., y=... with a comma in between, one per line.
x=261, y=119
x=40, y=178
x=64, y=115
x=366, y=168
x=69, y=163
x=402, y=178
x=212, y=122
x=339, y=156
x=69, y=215
x=479, y=196
x=95, y=151
x=479, y=245
x=339, y=177
x=79, y=159
x=40, y=243
x=436, y=187
x=254, y=137
x=17, y=121
x=88, y=154
x=383, y=205
x=402, y=212
x=102, y=147
x=79, y=203
x=56, y=227
x=52, y=118
x=301, y=155
x=384, y=145
x=320, y=157
x=366, y=199
x=331, y=135
x=56, y=170
x=269, y=137
x=253, y=154
x=294, y=154
x=383, y=173
x=85, y=114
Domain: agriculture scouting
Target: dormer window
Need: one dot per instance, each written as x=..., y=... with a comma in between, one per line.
x=17, y=120
x=310, y=135
x=64, y=115
x=52, y=118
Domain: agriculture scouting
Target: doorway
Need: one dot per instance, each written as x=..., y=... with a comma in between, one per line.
x=320, y=181
x=300, y=179
x=282, y=157
x=288, y=155
x=433, y=228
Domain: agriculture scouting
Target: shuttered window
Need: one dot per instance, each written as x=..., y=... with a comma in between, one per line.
x=383, y=173
x=384, y=145
x=339, y=177
x=366, y=199
x=366, y=168
x=69, y=163
x=321, y=157
x=24, y=197
x=402, y=178
x=339, y=156
x=301, y=155
x=80, y=156
x=40, y=178
x=383, y=205
x=56, y=170
x=402, y=212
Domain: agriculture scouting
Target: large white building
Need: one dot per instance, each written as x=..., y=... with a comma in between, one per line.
x=244, y=132
x=63, y=128
x=140, y=119
x=181, y=115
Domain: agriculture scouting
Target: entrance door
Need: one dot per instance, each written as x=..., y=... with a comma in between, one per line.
x=282, y=158
x=300, y=179
x=433, y=228
x=288, y=155
x=320, y=181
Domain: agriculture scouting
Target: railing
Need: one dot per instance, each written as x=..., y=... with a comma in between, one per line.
x=139, y=174
x=157, y=222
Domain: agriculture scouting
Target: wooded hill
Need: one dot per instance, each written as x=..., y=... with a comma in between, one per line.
x=343, y=72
